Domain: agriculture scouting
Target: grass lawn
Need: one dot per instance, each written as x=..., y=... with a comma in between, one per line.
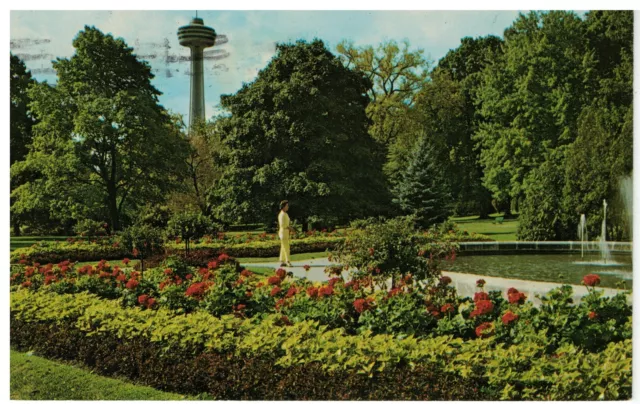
x=505, y=231
x=35, y=378
x=294, y=257
x=112, y=263
x=28, y=241
x=265, y=271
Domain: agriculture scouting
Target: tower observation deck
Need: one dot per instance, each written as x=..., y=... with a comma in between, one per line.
x=196, y=36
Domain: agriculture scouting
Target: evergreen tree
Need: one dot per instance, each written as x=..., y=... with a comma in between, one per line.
x=422, y=190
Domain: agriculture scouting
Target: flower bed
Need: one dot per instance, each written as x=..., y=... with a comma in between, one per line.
x=410, y=308
x=240, y=358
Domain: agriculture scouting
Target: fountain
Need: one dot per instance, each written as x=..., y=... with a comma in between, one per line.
x=604, y=247
x=582, y=232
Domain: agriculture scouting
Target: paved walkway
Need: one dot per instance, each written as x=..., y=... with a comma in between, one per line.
x=465, y=284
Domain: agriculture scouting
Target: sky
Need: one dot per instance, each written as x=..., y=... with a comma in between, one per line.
x=40, y=36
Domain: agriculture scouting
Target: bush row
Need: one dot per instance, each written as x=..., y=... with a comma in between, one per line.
x=233, y=358
x=241, y=245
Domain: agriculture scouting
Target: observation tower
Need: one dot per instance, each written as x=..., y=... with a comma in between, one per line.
x=196, y=36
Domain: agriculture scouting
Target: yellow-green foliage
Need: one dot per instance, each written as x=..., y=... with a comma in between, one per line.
x=520, y=371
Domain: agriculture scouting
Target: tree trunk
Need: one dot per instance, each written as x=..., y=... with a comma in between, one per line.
x=114, y=214
x=485, y=205
x=508, y=214
x=16, y=228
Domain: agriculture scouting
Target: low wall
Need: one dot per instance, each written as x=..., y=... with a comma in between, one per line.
x=539, y=247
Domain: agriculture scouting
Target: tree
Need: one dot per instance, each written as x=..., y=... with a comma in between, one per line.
x=299, y=132
x=603, y=150
x=102, y=132
x=458, y=76
x=20, y=132
x=397, y=75
x=531, y=98
x=190, y=226
x=21, y=118
x=202, y=169
x=422, y=190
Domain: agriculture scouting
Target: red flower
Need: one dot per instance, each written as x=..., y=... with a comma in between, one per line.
x=393, y=292
x=447, y=308
x=333, y=281
x=240, y=307
x=197, y=290
x=22, y=262
x=142, y=299
x=135, y=252
x=281, y=273
x=26, y=284
x=312, y=291
x=480, y=296
x=361, y=305
x=274, y=280
x=435, y=313
x=246, y=273
x=132, y=284
x=212, y=265
x=325, y=291
x=485, y=330
x=49, y=279
x=189, y=276
x=349, y=284
x=509, y=318
x=445, y=280
x=203, y=271
x=591, y=280
x=516, y=297
x=121, y=278
x=480, y=283
x=248, y=294
x=371, y=251
x=151, y=302
x=125, y=261
x=307, y=267
x=275, y=291
x=223, y=257
x=482, y=307
x=292, y=291
x=168, y=271
x=592, y=315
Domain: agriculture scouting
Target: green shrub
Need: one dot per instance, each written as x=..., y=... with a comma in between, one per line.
x=190, y=226
x=143, y=241
x=88, y=227
x=386, y=250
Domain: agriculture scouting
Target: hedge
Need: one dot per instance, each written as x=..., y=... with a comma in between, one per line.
x=232, y=358
x=53, y=252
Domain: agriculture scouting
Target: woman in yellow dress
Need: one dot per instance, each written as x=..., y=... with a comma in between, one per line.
x=283, y=232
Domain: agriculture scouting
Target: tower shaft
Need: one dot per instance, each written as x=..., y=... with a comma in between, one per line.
x=196, y=103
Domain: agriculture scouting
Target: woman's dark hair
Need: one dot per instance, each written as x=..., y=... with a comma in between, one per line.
x=283, y=204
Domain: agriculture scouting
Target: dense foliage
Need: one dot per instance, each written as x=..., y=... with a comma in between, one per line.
x=299, y=132
x=538, y=121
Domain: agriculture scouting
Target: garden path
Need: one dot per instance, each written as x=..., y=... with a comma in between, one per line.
x=465, y=284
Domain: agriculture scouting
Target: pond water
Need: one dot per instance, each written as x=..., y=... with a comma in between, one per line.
x=559, y=268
